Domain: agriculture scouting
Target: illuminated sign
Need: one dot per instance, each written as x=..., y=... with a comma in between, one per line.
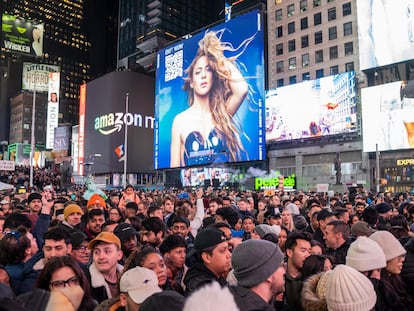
x=22, y=36
x=81, y=133
x=288, y=183
x=36, y=76
x=52, y=109
x=404, y=162
x=115, y=122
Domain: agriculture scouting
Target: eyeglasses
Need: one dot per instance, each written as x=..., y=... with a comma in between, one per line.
x=62, y=284
x=82, y=248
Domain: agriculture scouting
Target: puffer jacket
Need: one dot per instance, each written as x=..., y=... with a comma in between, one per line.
x=311, y=301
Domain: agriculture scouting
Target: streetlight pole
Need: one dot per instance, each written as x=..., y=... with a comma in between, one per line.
x=124, y=179
x=32, y=141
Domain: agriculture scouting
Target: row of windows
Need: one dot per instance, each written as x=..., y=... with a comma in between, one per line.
x=319, y=57
x=319, y=73
x=346, y=10
x=333, y=32
x=318, y=39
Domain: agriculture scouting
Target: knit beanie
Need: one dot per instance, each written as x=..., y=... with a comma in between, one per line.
x=255, y=260
x=391, y=247
x=349, y=290
x=292, y=208
x=96, y=199
x=264, y=229
x=71, y=209
x=365, y=255
x=213, y=296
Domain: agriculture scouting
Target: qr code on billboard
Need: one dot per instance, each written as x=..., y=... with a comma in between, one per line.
x=174, y=65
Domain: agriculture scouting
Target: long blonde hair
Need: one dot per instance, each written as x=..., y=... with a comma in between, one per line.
x=227, y=128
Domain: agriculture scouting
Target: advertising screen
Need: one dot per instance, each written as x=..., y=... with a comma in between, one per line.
x=108, y=115
x=205, y=176
x=21, y=35
x=385, y=32
x=312, y=109
x=210, y=96
x=388, y=116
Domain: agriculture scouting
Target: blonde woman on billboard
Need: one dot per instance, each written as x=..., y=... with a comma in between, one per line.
x=206, y=132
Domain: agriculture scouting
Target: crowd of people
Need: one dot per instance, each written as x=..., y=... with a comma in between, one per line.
x=205, y=250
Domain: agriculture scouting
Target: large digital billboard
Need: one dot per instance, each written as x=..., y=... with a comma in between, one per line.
x=127, y=101
x=210, y=96
x=21, y=35
x=311, y=109
x=385, y=32
x=388, y=116
x=205, y=176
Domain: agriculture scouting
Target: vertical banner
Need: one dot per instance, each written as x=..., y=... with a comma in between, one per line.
x=81, y=137
x=52, y=108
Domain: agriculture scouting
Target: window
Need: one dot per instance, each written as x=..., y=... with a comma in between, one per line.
x=318, y=56
x=332, y=33
x=303, y=5
x=279, y=32
x=349, y=66
x=279, y=66
x=347, y=29
x=279, y=15
x=316, y=3
x=305, y=60
x=292, y=45
x=333, y=52
x=319, y=73
x=292, y=63
x=346, y=9
x=292, y=80
x=291, y=10
x=349, y=48
x=317, y=19
x=279, y=49
x=305, y=76
x=304, y=41
x=318, y=37
x=303, y=23
x=291, y=27
x=280, y=83
x=334, y=70
x=331, y=14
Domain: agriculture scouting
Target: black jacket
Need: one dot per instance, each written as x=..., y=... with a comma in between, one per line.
x=198, y=276
x=248, y=300
x=407, y=272
x=339, y=254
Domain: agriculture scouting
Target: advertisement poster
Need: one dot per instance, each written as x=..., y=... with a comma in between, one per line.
x=388, y=116
x=327, y=107
x=385, y=32
x=36, y=76
x=52, y=109
x=209, y=104
x=22, y=36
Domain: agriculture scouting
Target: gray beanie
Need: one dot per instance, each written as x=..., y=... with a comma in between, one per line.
x=255, y=260
x=263, y=229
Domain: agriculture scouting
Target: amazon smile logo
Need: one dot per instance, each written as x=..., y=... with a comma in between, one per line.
x=114, y=121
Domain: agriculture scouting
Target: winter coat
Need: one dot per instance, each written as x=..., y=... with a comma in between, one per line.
x=199, y=275
x=99, y=288
x=407, y=272
x=248, y=300
x=310, y=299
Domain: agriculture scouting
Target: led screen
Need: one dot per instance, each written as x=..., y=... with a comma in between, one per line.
x=205, y=176
x=214, y=113
x=385, y=32
x=312, y=109
x=388, y=116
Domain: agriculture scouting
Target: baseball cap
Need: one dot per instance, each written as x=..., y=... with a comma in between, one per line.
x=139, y=283
x=77, y=237
x=124, y=231
x=323, y=214
x=207, y=238
x=105, y=237
x=2, y=202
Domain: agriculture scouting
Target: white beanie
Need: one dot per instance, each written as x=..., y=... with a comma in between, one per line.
x=349, y=290
x=292, y=208
x=365, y=255
x=391, y=247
